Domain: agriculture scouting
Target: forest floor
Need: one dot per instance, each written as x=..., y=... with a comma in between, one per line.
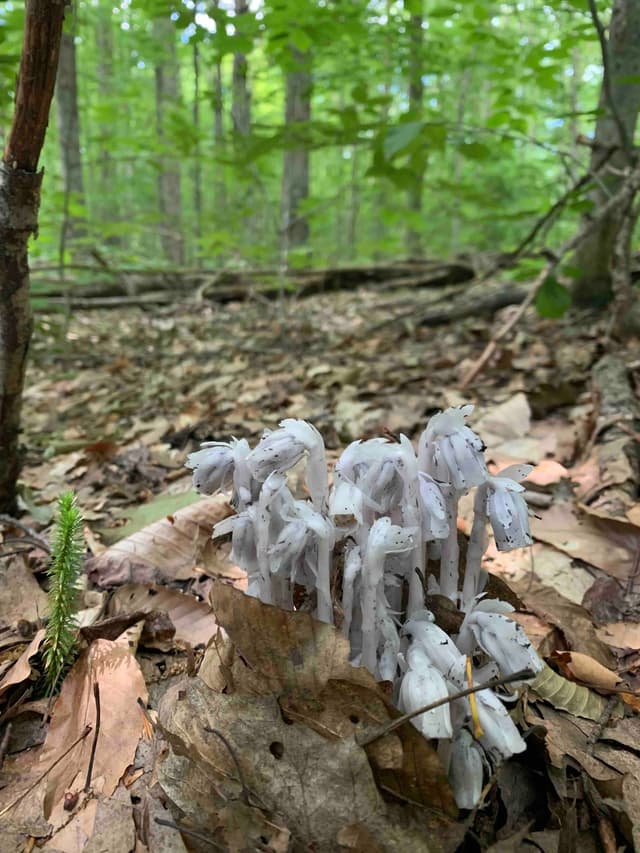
x=114, y=402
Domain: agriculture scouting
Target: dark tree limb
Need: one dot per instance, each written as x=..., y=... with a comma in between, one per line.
x=19, y=202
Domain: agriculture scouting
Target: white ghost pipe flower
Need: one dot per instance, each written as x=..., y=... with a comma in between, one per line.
x=500, y=738
x=434, y=510
x=345, y=501
x=243, y=545
x=351, y=573
x=277, y=451
x=451, y=452
x=465, y=769
x=390, y=645
x=412, y=518
x=507, y=508
x=384, y=538
x=436, y=644
x=316, y=472
x=323, y=532
x=502, y=639
x=421, y=685
x=212, y=466
x=271, y=487
x=245, y=487
x=473, y=576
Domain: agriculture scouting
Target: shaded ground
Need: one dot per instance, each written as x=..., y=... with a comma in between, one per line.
x=116, y=401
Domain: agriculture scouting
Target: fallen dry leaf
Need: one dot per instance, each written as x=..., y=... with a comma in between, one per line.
x=21, y=597
x=583, y=668
x=100, y=824
x=21, y=669
x=112, y=666
x=621, y=635
x=193, y=620
x=609, y=545
x=175, y=548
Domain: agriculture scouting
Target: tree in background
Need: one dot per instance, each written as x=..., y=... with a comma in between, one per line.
x=295, y=167
x=612, y=149
x=167, y=77
x=68, y=115
x=20, y=184
x=416, y=96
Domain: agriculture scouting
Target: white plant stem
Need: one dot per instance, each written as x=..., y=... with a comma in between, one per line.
x=476, y=548
x=324, y=610
x=450, y=557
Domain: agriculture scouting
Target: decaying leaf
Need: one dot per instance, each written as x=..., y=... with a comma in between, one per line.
x=579, y=667
x=21, y=669
x=100, y=824
x=112, y=666
x=299, y=779
x=621, y=635
x=306, y=664
x=176, y=548
x=193, y=620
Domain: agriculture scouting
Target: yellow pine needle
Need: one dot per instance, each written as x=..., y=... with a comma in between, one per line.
x=478, y=731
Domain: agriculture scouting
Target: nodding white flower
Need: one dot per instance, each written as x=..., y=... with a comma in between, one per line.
x=285, y=555
x=351, y=574
x=501, y=638
x=346, y=501
x=451, y=452
x=245, y=488
x=384, y=538
x=389, y=645
x=465, y=769
x=421, y=685
x=500, y=738
x=243, y=544
x=212, y=466
x=507, y=509
x=435, y=524
x=436, y=644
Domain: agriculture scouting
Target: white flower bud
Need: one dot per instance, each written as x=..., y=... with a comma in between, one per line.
x=451, y=452
x=465, y=769
x=212, y=466
x=421, y=685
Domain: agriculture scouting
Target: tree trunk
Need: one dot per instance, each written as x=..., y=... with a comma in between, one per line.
x=218, y=138
x=19, y=201
x=240, y=96
x=417, y=165
x=69, y=135
x=295, y=173
x=196, y=173
x=594, y=256
x=107, y=175
x=169, y=182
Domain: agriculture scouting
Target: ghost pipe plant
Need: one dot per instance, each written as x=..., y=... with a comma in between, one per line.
x=386, y=507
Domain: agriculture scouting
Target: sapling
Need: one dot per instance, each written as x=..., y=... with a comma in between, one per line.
x=386, y=507
x=64, y=571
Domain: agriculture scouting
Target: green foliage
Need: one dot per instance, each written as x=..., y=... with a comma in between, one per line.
x=552, y=299
x=64, y=573
x=506, y=91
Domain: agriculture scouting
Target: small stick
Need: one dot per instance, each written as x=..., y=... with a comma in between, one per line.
x=4, y=744
x=190, y=832
x=34, y=784
x=96, y=697
x=369, y=737
x=245, y=790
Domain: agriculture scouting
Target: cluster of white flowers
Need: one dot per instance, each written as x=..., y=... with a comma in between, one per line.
x=388, y=510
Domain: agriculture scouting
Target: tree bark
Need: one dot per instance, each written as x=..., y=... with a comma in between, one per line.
x=196, y=173
x=417, y=165
x=66, y=92
x=19, y=202
x=295, y=172
x=240, y=96
x=169, y=179
x=594, y=256
x=107, y=172
x=218, y=137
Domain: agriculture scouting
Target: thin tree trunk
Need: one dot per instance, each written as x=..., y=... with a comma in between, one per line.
x=416, y=96
x=218, y=139
x=295, y=173
x=197, y=165
x=74, y=226
x=169, y=180
x=594, y=256
x=19, y=202
x=240, y=96
x=107, y=173
x=354, y=206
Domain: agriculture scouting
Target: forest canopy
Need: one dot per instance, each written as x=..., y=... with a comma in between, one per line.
x=222, y=132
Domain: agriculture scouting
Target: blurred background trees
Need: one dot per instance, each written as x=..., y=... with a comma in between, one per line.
x=243, y=132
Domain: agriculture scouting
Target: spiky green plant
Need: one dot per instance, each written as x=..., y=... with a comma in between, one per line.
x=64, y=571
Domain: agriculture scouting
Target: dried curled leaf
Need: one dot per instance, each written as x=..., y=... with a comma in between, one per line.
x=568, y=696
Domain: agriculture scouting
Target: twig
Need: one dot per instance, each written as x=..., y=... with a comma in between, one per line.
x=35, y=783
x=369, y=737
x=245, y=790
x=96, y=698
x=34, y=535
x=620, y=199
x=606, y=82
x=4, y=744
x=190, y=832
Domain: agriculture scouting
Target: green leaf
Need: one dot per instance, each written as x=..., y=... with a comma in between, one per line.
x=400, y=137
x=475, y=150
x=552, y=299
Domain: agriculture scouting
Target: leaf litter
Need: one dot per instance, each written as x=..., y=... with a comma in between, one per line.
x=192, y=656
